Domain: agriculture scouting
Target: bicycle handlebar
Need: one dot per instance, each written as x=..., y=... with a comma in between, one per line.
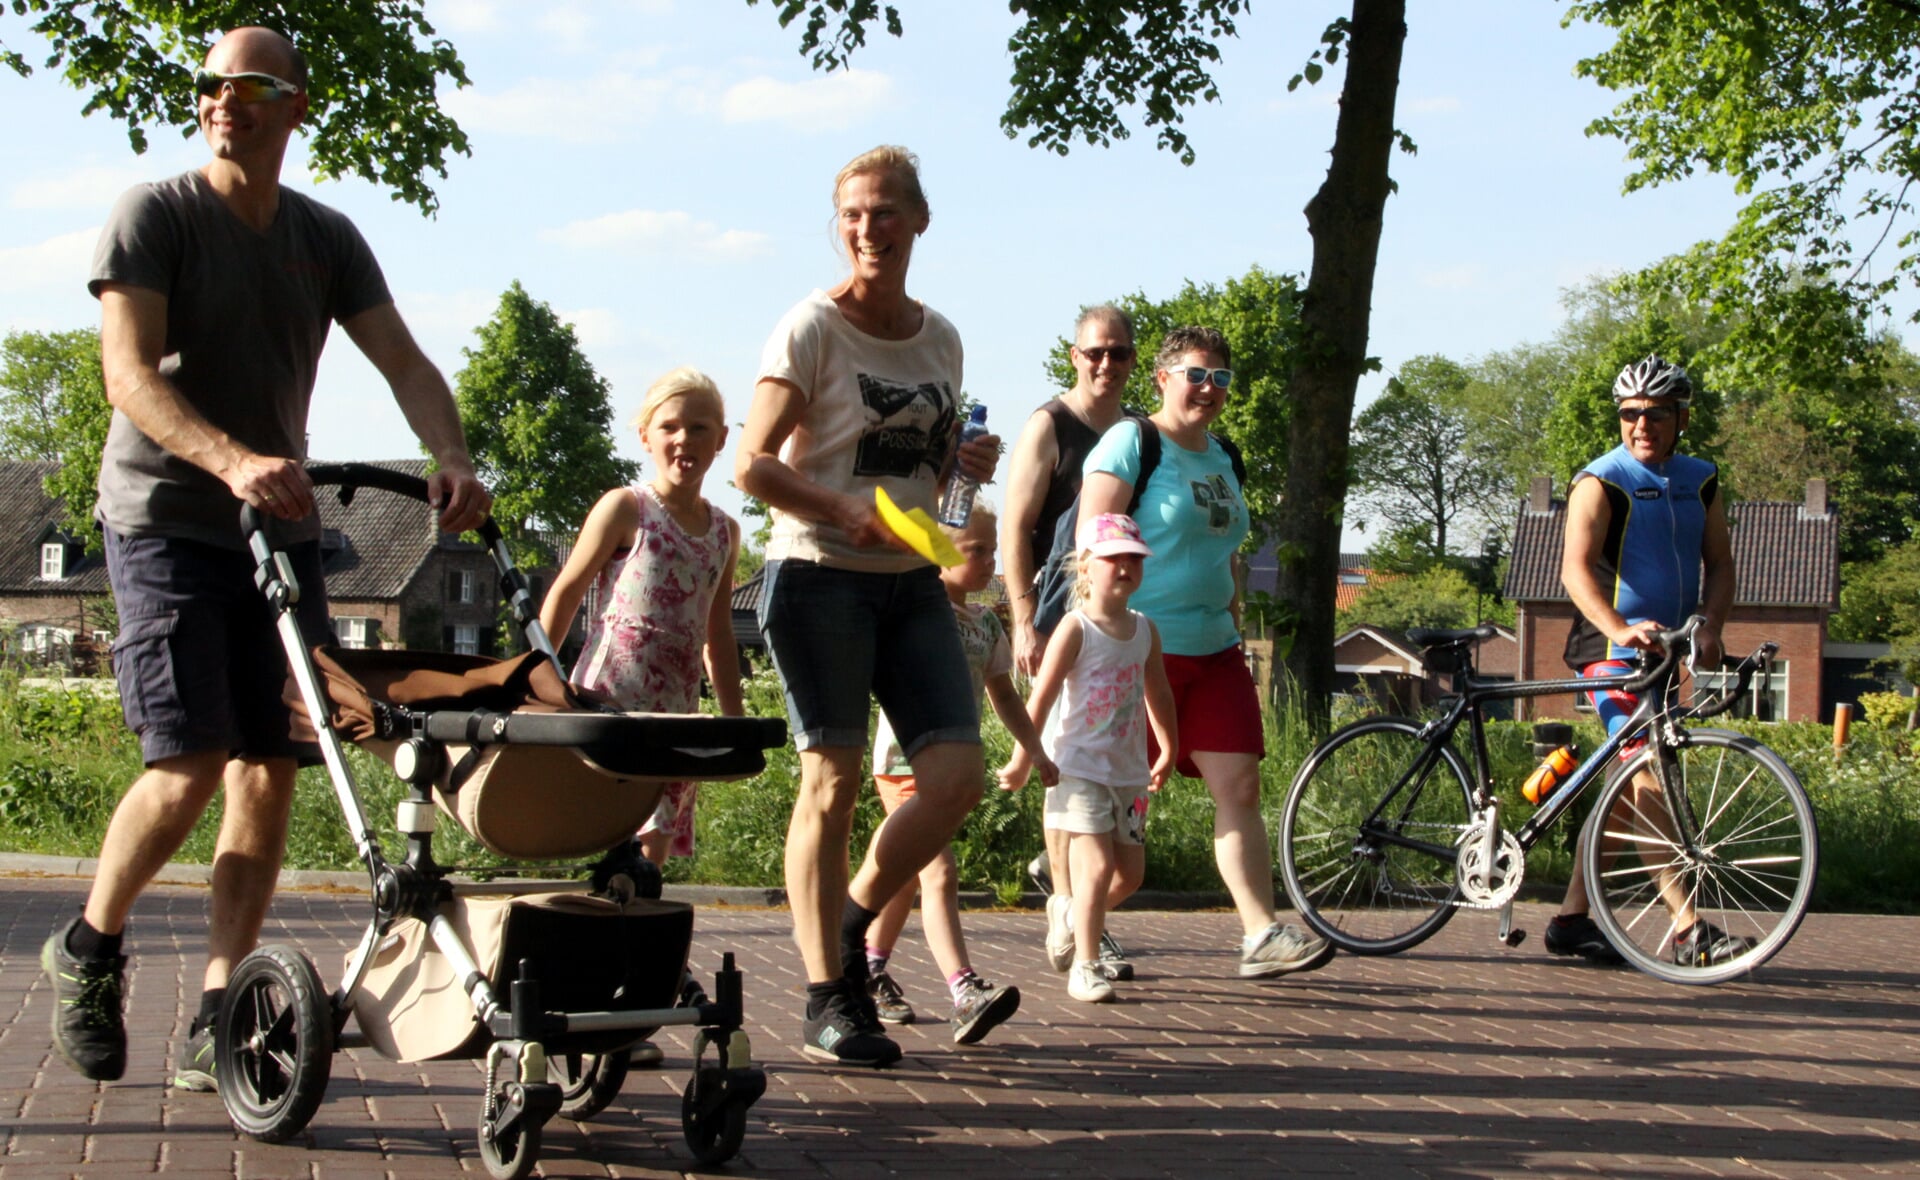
x=1670, y=644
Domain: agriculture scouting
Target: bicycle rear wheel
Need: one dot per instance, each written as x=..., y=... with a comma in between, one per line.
x=1741, y=855
x=1367, y=847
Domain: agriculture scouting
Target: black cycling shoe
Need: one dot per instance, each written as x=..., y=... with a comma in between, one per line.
x=1581, y=935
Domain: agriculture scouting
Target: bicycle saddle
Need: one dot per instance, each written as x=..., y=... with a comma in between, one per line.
x=1428, y=637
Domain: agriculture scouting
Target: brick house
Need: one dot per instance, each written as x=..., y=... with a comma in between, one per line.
x=1383, y=666
x=393, y=579
x=1787, y=570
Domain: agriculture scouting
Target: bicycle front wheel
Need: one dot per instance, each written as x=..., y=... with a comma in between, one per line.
x=1715, y=830
x=1369, y=836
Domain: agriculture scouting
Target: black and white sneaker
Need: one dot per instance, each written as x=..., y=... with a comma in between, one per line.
x=889, y=1002
x=1706, y=945
x=1040, y=872
x=848, y=1032
x=89, y=1021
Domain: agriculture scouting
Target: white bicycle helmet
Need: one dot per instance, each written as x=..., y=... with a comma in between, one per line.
x=1653, y=377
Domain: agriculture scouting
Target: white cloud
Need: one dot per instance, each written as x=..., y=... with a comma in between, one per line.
x=1435, y=106
x=466, y=16
x=830, y=103
x=84, y=188
x=57, y=262
x=1457, y=278
x=594, y=327
x=600, y=109
x=647, y=231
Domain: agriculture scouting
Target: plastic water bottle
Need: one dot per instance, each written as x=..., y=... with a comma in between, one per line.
x=1550, y=774
x=956, y=502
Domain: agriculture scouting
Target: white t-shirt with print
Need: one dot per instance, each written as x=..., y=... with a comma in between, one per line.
x=880, y=413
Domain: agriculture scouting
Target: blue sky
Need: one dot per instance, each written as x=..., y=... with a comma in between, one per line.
x=660, y=171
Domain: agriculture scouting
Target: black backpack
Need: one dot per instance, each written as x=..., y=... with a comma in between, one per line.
x=1053, y=583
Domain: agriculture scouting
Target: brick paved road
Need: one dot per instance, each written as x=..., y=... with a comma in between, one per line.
x=1459, y=1059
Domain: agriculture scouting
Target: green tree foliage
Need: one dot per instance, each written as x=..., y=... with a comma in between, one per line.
x=538, y=422
x=1439, y=596
x=1809, y=107
x=1880, y=603
x=53, y=406
x=1416, y=460
x=376, y=72
x=1259, y=314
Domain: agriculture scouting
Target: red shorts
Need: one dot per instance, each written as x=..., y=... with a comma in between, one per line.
x=1216, y=705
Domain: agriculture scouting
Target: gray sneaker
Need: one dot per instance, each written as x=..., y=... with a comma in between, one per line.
x=1283, y=949
x=981, y=1006
x=194, y=1068
x=1112, y=963
x=888, y=1000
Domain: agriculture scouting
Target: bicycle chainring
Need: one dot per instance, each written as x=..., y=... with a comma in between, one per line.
x=1483, y=886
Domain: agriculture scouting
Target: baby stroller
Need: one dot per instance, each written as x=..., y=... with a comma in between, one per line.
x=550, y=984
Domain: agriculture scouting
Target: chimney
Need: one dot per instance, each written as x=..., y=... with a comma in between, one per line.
x=1816, y=505
x=1540, y=495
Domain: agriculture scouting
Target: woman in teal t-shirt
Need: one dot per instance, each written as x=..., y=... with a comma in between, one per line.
x=1193, y=516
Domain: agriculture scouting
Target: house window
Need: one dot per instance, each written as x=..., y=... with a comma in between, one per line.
x=1765, y=701
x=53, y=561
x=44, y=642
x=460, y=585
x=1353, y=579
x=466, y=640
x=356, y=631
x=103, y=640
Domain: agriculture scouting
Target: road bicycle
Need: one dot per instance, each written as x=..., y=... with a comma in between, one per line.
x=1386, y=833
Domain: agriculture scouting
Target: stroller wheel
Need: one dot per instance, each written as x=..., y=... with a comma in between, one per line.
x=512, y=1155
x=588, y=1082
x=274, y=1044
x=714, y=1125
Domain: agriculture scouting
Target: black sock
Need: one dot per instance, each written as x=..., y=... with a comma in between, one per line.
x=854, y=921
x=209, y=1007
x=819, y=993
x=84, y=942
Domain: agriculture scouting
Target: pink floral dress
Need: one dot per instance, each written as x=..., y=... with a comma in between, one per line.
x=644, y=641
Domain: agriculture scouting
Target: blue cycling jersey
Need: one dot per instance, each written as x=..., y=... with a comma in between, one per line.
x=1656, y=525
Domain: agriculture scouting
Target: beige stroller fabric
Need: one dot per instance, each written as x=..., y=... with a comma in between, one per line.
x=527, y=802
x=410, y=1006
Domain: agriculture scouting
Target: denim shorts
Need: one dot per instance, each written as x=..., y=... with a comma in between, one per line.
x=839, y=636
x=199, y=663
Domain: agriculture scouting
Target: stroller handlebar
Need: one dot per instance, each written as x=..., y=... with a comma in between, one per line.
x=349, y=478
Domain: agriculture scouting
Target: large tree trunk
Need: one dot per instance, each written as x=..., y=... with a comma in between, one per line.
x=1344, y=218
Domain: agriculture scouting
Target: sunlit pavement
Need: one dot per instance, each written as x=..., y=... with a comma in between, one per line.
x=1458, y=1059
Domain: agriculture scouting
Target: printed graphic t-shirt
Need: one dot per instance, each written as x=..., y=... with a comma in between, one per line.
x=880, y=413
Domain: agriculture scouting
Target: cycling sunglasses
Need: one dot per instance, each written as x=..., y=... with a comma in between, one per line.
x=1196, y=375
x=1653, y=414
x=246, y=87
x=1120, y=354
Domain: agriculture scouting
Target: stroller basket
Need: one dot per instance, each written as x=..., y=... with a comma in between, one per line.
x=553, y=987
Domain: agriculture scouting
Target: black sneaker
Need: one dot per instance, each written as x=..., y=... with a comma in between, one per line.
x=1581, y=935
x=89, y=1026
x=193, y=1070
x=848, y=1032
x=980, y=1007
x=1040, y=871
x=889, y=1002
x=1706, y=945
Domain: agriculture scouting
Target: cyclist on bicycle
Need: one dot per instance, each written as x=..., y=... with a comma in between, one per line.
x=1647, y=545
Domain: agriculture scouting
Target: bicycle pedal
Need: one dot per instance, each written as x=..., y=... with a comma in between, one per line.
x=1514, y=937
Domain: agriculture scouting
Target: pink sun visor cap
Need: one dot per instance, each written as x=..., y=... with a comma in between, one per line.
x=1112, y=533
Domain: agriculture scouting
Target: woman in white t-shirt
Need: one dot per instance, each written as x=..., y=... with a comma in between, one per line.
x=859, y=389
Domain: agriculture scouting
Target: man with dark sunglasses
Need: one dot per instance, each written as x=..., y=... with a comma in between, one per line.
x=1647, y=546
x=217, y=288
x=1042, y=484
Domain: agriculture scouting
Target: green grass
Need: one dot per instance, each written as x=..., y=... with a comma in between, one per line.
x=65, y=757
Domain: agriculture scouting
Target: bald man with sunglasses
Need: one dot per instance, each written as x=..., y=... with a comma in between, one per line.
x=217, y=289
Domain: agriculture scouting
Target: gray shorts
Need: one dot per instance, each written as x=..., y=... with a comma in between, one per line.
x=199, y=663
x=1087, y=808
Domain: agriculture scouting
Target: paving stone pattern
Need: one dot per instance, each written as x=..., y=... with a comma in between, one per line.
x=1460, y=1058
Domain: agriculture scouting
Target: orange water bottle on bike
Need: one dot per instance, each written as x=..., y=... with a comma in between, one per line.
x=1552, y=742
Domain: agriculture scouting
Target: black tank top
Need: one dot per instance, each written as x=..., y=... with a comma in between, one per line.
x=1075, y=440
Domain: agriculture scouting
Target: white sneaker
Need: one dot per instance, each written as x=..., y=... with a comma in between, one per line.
x=1085, y=983
x=1283, y=949
x=1060, y=932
